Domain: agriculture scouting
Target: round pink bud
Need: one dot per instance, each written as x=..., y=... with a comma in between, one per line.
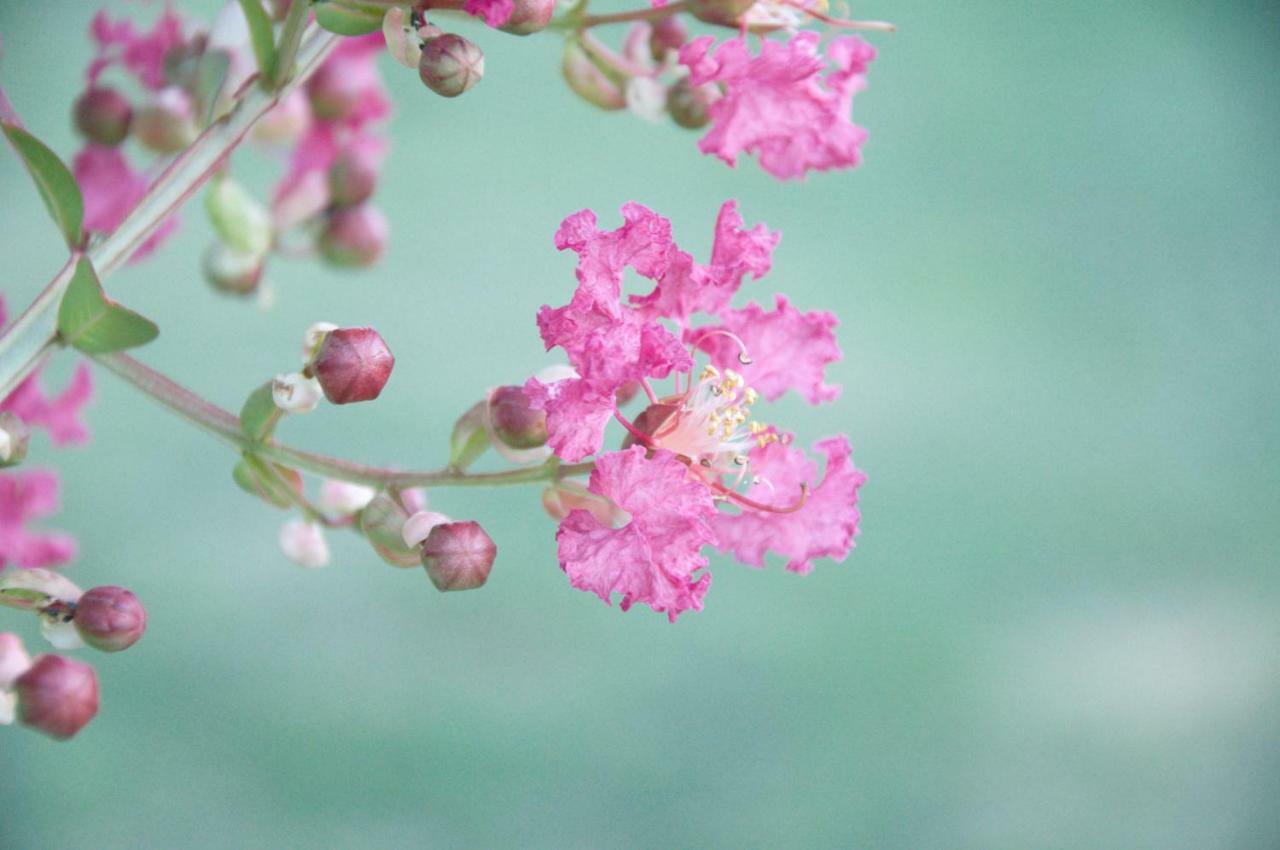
x=529, y=16
x=110, y=618
x=352, y=178
x=450, y=64
x=102, y=115
x=688, y=104
x=168, y=123
x=514, y=422
x=354, y=236
x=352, y=364
x=334, y=92
x=668, y=34
x=57, y=695
x=458, y=555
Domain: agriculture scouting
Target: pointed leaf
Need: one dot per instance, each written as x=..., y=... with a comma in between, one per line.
x=210, y=76
x=259, y=415
x=264, y=42
x=57, y=187
x=348, y=20
x=93, y=323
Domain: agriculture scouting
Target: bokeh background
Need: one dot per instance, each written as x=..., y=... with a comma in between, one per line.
x=1056, y=274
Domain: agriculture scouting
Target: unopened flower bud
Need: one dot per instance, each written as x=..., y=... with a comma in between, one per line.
x=529, y=16
x=227, y=270
x=334, y=92
x=418, y=527
x=239, y=218
x=343, y=497
x=450, y=64
x=725, y=13
x=168, y=123
x=589, y=80
x=668, y=34
x=285, y=122
x=458, y=555
x=57, y=695
x=303, y=543
x=110, y=618
x=354, y=236
x=296, y=393
x=353, y=177
x=688, y=104
x=352, y=364
x=515, y=423
x=14, y=660
x=102, y=115
x=15, y=439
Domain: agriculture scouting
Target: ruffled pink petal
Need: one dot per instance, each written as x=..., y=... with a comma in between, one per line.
x=26, y=496
x=110, y=186
x=651, y=559
x=495, y=13
x=142, y=54
x=60, y=416
x=686, y=287
x=577, y=413
x=824, y=527
x=641, y=243
x=788, y=349
x=778, y=106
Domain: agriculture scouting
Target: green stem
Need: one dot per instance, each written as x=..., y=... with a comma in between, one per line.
x=24, y=345
x=295, y=21
x=226, y=427
x=656, y=13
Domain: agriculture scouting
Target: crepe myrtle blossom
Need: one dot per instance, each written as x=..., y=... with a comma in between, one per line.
x=697, y=468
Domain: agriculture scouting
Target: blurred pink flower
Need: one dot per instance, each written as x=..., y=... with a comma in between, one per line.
x=26, y=496
x=142, y=54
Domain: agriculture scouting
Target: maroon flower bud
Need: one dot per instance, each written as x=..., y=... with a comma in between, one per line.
x=57, y=695
x=450, y=64
x=626, y=392
x=352, y=178
x=688, y=104
x=110, y=618
x=352, y=364
x=103, y=115
x=458, y=555
x=514, y=422
x=335, y=93
x=668, y=34
x=354, y=236
x=529, y=16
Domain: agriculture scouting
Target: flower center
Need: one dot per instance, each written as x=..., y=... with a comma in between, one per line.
x=711, y=425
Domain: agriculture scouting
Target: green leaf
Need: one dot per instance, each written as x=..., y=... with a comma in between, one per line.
x=210, y=75
x=295, y=22
x=469, y=438
x=382, y=522
x=57, y=187
x=259, y=415
x=264, y=40
x=348, y=20
x=93, y=323
x=254, y=476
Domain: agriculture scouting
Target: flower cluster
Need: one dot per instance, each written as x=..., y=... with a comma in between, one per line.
x=697, y=468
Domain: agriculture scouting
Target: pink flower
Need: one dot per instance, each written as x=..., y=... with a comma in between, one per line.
x=493, y=12
x=824, y=526
x=60, y=416
x=776, y=104
x=788, y=349
x=142, y=54
x=25, y=496
x=651, y=558
x=111, y=189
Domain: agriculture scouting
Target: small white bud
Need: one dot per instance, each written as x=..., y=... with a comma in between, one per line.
x=313, y=337
x=647, y=98
x=303, y=543
x=61, y=633
x=296, y=393
x=418, y=527
x=342, y=497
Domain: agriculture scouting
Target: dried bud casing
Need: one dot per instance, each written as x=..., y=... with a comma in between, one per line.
x=589, y=80
x=450, y=64
x=352, y=364
x=103, y=115
x=354, y=236
x=57, y=695
x=110, y=618
x=529, y=16
x=458, y=555
x=514, y=422
x=15, y=439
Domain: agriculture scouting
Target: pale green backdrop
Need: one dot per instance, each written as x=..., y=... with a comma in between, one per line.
x=1056, y=274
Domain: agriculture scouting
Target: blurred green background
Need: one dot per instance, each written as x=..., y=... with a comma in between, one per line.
x=1056, y=274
